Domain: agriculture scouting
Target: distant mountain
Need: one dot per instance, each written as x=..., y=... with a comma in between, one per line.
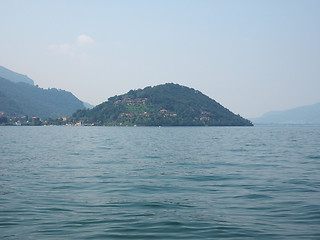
x=20, y=98
x=14, y=77
x=163, y=105
x=88, y=105
x=301, y=115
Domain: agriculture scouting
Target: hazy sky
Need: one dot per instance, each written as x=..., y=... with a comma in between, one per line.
x=250, y=56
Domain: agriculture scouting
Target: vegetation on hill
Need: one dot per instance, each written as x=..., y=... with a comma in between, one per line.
x=163, y=105
x=20, y=98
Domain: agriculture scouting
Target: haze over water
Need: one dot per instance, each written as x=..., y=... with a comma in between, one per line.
x=167, y=183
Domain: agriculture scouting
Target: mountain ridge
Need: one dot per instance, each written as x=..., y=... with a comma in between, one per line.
x=307, y=114
x=21, y=98
x=14, y=76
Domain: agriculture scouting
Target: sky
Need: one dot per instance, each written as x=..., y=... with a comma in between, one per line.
x=250, y=56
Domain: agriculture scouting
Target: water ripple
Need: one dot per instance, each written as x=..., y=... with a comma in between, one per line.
x=142, y=183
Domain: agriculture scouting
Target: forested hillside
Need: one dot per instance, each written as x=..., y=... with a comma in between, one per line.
x=163, y=105
x=20, y=98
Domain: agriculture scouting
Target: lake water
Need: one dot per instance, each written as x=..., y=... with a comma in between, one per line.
x=159, y=183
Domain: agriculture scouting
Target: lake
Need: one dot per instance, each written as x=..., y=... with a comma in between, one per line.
x=159, y=183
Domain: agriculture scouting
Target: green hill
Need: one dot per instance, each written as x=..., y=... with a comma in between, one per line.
x=163, y=105
x=20, y=98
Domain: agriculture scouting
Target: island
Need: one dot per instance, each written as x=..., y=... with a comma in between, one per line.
x=162, y=105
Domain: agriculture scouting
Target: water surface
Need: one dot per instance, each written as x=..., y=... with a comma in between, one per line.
x=167, y=183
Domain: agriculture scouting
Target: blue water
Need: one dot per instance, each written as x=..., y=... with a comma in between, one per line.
x=167, y=183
